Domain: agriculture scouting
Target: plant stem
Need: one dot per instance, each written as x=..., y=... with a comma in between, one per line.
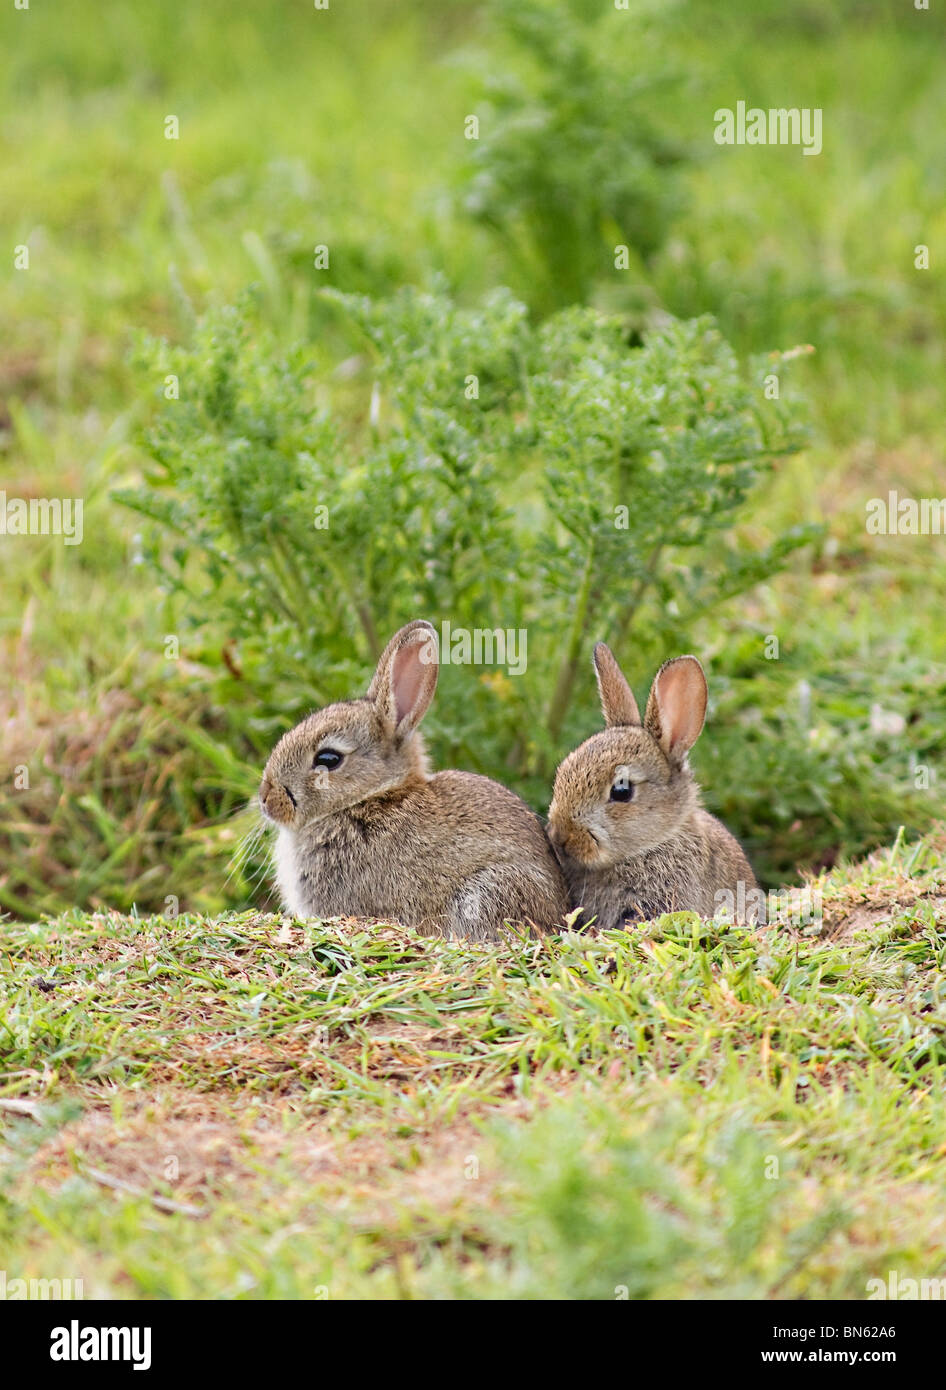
x=637, y=593
x=359, y=606
x=565, y=684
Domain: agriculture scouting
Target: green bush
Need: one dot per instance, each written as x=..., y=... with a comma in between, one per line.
x=570, y=160
x=556, y=481
x=560, y=481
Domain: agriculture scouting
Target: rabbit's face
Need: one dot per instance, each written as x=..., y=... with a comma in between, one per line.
x=346, y=753
x=334, y=759
x=616, y=797
x=627, y=790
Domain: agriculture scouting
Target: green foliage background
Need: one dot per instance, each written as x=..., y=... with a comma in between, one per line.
x=598, y=388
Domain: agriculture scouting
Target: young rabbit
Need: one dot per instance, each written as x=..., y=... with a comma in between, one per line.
x=626, y=819
x=366, y=831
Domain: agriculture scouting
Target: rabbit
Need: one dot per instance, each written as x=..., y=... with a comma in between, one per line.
x=365, y=830
x=626, y=820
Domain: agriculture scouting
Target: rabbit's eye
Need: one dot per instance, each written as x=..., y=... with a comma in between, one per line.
x=328, y=758
x=622, y=791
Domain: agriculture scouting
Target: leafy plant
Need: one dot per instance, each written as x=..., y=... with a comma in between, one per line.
x=557, y=482
x=570, y=160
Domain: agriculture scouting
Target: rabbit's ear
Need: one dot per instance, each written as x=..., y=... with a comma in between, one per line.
x=406, y=678
x=617, y=698
x=676, y=706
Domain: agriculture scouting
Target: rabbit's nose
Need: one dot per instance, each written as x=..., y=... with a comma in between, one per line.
x=277, y=802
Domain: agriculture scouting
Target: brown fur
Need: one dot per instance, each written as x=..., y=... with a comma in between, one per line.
x=660, y=851
x=451, y=853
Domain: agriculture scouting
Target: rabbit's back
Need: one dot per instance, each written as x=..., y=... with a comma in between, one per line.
x=454, y=853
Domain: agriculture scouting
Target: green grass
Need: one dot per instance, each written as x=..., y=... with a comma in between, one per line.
x=250, y=1106
x=229, y=1104
x=345, y=127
